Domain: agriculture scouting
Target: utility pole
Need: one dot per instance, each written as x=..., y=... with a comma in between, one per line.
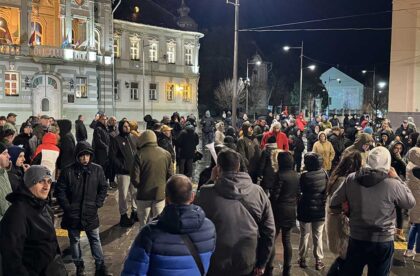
x=235, y=62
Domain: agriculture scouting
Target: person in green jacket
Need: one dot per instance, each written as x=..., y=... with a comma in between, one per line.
x=5, y=187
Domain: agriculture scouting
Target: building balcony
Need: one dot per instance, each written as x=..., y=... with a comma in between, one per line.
x=13, y=50
x=46, y=51
x=150, y=67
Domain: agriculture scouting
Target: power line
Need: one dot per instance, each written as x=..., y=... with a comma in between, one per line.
x=319, y=30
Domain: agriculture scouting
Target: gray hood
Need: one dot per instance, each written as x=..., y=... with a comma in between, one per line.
x=233, y=185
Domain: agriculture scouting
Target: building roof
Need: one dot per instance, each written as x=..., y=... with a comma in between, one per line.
x=334, y=77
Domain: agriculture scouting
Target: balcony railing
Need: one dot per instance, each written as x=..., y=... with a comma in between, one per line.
x=13, y=50
x=46, y=51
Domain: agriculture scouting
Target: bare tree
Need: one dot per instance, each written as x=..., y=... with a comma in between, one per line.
x=223, y=94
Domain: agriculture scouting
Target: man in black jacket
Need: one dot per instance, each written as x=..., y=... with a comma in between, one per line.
x=80, y=191
x=122, y=154
x=28, y=243
x=338, y=142
x=100, y=143
x=81, y=132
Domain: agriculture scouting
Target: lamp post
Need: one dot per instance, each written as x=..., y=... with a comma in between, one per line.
x=235, y=61
x=144, y=78
x=287, y=48
x=381, y=86
x=373, y=81
x=113, y=58
x=258, y=63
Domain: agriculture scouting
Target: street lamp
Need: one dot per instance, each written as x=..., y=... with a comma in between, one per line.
x=287, y=48
x=257, y=63
x=364, y=72
x=382, y=84
x=312, y=67
x=113, y=60
x=235, y=61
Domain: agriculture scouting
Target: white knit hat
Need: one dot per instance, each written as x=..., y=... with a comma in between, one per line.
x=379, y=159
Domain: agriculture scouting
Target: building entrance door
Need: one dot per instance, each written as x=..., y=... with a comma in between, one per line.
x=46, y=96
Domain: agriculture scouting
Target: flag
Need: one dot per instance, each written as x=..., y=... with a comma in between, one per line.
x=65, y=43
x=32, y=38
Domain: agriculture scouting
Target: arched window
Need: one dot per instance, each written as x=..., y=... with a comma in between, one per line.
x=98, y=41
x=45, y=105
x=36, y=35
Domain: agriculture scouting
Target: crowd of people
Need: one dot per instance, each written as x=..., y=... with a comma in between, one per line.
x=350, y=177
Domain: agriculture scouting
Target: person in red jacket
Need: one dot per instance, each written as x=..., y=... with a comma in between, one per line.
x=47, y=153
x=281, y=138
x=300, y=122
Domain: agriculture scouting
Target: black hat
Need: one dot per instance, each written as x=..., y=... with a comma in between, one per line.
x=11, y=114
x=2, y=118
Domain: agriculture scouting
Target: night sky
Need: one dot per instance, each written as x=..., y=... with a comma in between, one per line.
x=352, y=51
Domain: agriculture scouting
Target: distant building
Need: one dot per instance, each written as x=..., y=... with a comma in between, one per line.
x=56, y=58
x=345, y=93
x=258, y=90
x=404, y=83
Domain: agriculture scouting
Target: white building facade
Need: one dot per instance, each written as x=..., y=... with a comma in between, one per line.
x=56, y=58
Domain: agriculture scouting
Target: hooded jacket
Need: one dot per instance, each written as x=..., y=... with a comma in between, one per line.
x=28, y=242
x=281, y=138
x=66, y=145
x=187, y=142
x=362, y=139
x=47, y=153
x=372, y=196
x=219, y=135
x=265, y=165
x=326, y=150
x=248, y=148
x=397, y=160
x=159, y=249
x=15, y=173
x=80, y=191
x=122, y=152
x=413, y=182
x=100, y=144
x=152, y=168
x=207, y=123
x=245, y=235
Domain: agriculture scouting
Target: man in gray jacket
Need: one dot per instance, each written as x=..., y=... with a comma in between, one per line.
x=372, y=194
x=243, y=217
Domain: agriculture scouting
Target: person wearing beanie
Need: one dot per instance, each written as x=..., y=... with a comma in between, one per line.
x=80, y=191
x=311, y=209
x=149, y=176
x=249, y=149
x=368, y=130
x=372, y=194
x=5, y=187
x=122, y=151
x=17, y=168
x=362, y=144
x=28, y=243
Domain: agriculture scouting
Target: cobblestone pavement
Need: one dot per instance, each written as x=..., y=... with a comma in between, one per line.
x=116, y=242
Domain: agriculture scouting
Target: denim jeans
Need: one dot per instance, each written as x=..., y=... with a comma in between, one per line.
x=414, y=237
x=95, y=246
x=376, y=255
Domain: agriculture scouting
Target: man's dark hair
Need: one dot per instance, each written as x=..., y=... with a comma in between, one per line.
x=179, y=189
x=80, y=116
x=228, y=160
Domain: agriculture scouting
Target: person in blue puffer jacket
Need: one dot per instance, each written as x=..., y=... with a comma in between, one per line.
x=159, y=248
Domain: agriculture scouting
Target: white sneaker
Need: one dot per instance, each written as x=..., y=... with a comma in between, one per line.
x=409, y=253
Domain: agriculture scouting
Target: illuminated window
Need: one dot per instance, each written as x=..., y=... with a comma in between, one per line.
x=11, y=83
x=153, y=51
x=153, y=92
x=135, y=49
x=81, y=87
x=36, y=36
x=188, y=56
x=79, y=33
x=171, y=53
x=170, y=92
x=134, y=91
x=117, y=52
x=97, y=41
x=117, y=90
x=5, y=37
x=186, y=92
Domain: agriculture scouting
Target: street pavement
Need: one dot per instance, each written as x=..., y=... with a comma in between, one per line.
x=116, y=242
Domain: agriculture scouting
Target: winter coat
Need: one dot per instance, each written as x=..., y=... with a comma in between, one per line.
x=38, y=133
x=381, y=194
x=283, y=197
x=152, y=168
x=81, y=132
x=100, y=143
x=165, y=143
x=326, y=150
x=281, y=138
x=265, y=166
x=187, y=143
x=67, y=144
x=337, y=225
x=404, y=134
x=396, y=159
x=112, y=131
x=207, y=124
x=47, y=153
x=413, y=182
x=301, y=123
x=28, y=243
x=5, y=189
x=339, y=144
x=248, y=148
x=245, y=235
x=80, y=191
x=219, y=136
x=122, y=152
x=361, y=140
x=159, y=249
x=313, y=187
x=335, y=122
x=312, y=137
x=15, y=175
